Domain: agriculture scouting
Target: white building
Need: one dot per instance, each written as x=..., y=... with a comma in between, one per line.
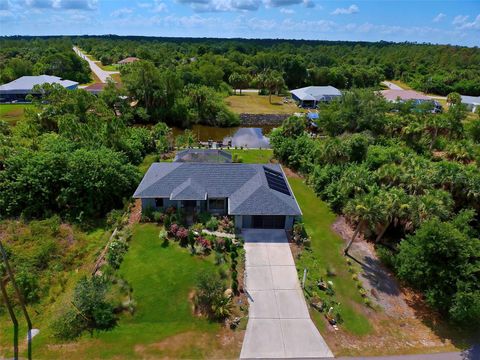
x=472, y=102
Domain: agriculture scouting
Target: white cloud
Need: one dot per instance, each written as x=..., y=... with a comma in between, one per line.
x=309, y=4
x=222, y=5
x=62, y=4
x=159, y=6
x=474, y=25
x=144, y=5
x=287, y=11
x=122, y=12
x=352, y=9
x=439, y=17
x=460, y=20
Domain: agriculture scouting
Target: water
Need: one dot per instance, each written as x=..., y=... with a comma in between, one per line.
x=251, y=137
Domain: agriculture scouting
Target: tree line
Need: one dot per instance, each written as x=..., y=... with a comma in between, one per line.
x=409, y=180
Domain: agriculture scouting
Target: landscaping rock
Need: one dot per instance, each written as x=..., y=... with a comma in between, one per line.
x=262, y=119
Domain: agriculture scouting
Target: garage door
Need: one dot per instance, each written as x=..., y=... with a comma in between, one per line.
x=268, y=222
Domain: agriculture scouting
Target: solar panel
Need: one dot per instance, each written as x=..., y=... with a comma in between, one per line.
x=276, y=181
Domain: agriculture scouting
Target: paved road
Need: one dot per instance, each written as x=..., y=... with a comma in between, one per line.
x=391, y=85
x=470, y=354
x=279, y=324
x=102, y=74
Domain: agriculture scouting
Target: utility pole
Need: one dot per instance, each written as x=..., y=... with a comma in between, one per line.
x=20, y=299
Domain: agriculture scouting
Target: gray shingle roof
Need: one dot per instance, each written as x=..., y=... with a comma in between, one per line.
x=25, y=84
x=244, y=184
x=189, y=190
x=473, y=100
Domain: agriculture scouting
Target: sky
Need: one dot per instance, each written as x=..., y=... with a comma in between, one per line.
x=434, y=21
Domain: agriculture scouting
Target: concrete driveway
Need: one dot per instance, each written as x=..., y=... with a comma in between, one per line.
x=279, y=324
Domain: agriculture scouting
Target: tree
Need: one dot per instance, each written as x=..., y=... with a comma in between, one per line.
x=271, y=80
x=364, y=210
x=440, y=259
x=454, y=98
x=239, y=81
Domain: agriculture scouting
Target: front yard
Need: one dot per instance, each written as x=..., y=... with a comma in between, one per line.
x=163, y=325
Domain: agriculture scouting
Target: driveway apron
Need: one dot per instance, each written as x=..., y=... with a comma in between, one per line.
x=279, y=324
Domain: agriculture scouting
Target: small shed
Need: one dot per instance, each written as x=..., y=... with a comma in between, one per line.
x=128, y=60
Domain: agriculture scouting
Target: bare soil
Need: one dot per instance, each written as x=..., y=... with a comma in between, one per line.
x=402, y=322
x=135, y=213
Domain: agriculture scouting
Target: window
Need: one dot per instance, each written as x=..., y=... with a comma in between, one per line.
x=216, y=204
x=159, y=202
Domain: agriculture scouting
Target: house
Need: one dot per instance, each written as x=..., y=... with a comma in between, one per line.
x=203, y=155
x=472, y=102
x=410, y=95
x=310, y=96
x=128, y=60
x=18, y=89
x=403, y=95
x=256, y=195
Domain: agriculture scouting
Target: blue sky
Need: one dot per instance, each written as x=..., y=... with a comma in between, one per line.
x=436, y=21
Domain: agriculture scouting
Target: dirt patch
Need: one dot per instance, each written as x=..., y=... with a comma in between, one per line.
x=290, y=173
x=225, y=345
x=403, y=323
x=135, y=212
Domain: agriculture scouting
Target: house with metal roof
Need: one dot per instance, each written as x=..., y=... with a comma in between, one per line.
x=18, y=89
x=257, y=195
x=471, y=102
x=310, y=96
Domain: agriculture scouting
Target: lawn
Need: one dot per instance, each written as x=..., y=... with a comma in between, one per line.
x=326, y=252
x=254, y=156
x=111, y=67
x=163, y=325
x=252, y=103
x=12, y=113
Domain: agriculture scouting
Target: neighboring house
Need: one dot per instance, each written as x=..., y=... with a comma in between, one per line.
x=310, y=96
x=128, y=60
x=18, y=89
x=203, y=155
x=257, y=195
x=410, y=95
x=472, y=102
x=403, y=95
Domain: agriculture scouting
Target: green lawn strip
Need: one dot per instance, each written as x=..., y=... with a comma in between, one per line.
x=12, y=113
x=326, y=252
x=147, y=161
x=254, y=156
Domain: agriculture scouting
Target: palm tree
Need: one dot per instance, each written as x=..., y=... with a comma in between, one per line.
x=363, y=210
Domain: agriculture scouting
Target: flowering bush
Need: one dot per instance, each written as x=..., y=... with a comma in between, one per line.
x=173, y=229
x=226, y=225
x=204, y=243
x=219, y=244
x=171, y=210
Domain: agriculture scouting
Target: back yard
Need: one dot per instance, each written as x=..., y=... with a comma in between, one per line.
x=252, y=103
x=12, y=113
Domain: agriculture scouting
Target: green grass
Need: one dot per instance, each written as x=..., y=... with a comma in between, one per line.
x=161, y=278
x=111, y=67
x=252, y=103
x=147, y=161
x=13, y=113
x=326, y=251
x=254, y=156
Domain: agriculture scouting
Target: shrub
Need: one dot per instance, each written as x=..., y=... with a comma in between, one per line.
x=27, y=282
x=173, y=229
x=210, y=297
x=212, y=224
x=158, y=216
x=114, y=218
x=163, y=236
x=116, y=251
x=92, y=311
x=147, y=214
x=182, y=236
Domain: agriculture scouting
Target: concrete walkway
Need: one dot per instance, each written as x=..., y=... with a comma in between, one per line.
x=101, y=74
x=279, y=324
